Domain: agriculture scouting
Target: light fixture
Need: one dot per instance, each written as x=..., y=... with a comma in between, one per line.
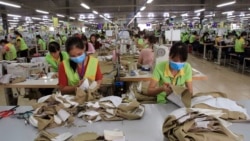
x=10, y=4
x=35, y=18
x=196, y=18
x=13, y=23
x=41, y=11
x=60, y=15
x=173, y=16
x=199, y=10
x=151, y=15
x=242, y=14
x=198, y=14
x=184, y=15
x=228, y=12
x=106, y=15
x=61, y=21
x=149, y=1
x=232, y=16
x=143, y=8
x=95, y=12
x=85, y=6
x=12, y=15
x=91, y=16
x=226, y=4
x=166, y=15
x=101, y=16
x=72, y=18
x=248, y=14
x=138, y=14
x=13, y=20
x=209, y=15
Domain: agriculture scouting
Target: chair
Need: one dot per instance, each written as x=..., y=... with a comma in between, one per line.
x=246, y=59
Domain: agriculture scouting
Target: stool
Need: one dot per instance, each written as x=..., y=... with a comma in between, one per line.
x=244, y=64
x=236, y=62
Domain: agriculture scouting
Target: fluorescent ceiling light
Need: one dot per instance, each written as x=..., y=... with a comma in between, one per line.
x=101, y=16
x=210, y=15
x=199, y=10
x=95, y=12
x=91, y=16
x=143, y=8
x=10, y=4
x=246, y=17
x=41, y=11
x=85, y=5
x=12, y=15
x=232, y=16
x=228, y=12
x=13, y=20
x=184, y=15
x=226, y=4
x=151, y=15
x=61, y=21
x=149, y=1
x=166, y=15
x=173, y=17
x=107, y=15
x=198, y=14
x=138, y=14
x=35, y=18
x=72, y=18
x=60, y=15
x=248, y=14
x=196, y=18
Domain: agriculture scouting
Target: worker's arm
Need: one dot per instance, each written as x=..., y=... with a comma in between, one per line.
x=189, y=86
x=18, y=43
x=70, y=89
x=154, y=90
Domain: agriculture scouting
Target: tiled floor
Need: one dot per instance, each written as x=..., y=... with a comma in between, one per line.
x=220, y=78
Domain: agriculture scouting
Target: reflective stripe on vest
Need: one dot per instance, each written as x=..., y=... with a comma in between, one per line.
x=73, y=77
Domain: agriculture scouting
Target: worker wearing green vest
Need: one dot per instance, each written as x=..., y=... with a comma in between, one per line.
x=8, y=50
x=55, y=56
x=21, y=45
x=64, y=39
x=73, y=71
x=51, y=38
x=41, y=43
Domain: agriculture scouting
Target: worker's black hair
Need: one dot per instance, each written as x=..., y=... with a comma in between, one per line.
x=70, y=44
x=17, y=33
x=54, y=47
x=4, y=41
x=244, y=33
x=179, y=49
x=39, y=37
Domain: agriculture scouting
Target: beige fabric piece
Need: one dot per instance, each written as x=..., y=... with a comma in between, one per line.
x=88, y=136
x=45, y=136
x=189, y=129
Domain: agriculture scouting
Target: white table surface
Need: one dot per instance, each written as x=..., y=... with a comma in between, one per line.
x=30, y=83
x=149, y=128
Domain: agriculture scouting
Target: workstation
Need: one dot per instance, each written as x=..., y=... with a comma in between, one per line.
x=124, y=70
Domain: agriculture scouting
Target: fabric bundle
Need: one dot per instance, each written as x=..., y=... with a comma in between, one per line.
x=197, y=125
x=211, y=100
x=53, y=111
x=140, y=92
x=111, y=109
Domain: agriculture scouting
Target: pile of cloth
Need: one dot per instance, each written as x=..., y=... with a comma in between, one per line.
x=210, y=100
x=111, y=108
x=193, y=124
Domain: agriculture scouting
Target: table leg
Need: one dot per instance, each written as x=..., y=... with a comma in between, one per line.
x=219, y=55
x=204, y=52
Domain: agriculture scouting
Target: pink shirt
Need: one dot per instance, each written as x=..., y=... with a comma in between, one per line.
x=91, y=49
x=147, y=57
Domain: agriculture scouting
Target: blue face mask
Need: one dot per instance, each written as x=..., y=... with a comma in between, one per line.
x=176, y=65
x=78, y=59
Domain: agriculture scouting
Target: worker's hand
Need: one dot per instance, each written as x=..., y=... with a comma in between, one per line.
x=166, y=88
x=80, y=83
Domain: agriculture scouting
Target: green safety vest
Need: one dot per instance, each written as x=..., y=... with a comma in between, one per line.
x=23, y=45
x=42, y=44
x=52, y=40
x=49, y=58
x=239, y=45
x=64, y=39
x=11, y=54
x=192, y=39
x=90, y=73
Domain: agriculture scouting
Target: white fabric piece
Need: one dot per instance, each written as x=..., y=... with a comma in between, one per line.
x=33, y=121
x=113, y=135
x=63, y=115
x=176, y=99
x=88, y=113
x=57, y=120
x=93, y=85
x=202, y=124
x=94, y=105
x=114, y=99
x=179, y=113
x=110, y=111
x=184, y=118
x=85, y=85
x=222, y=103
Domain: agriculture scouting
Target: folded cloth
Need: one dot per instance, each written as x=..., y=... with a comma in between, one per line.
x=88, y=136
x=194, y=125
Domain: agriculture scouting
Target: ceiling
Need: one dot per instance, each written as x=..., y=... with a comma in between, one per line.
x=122, y=11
